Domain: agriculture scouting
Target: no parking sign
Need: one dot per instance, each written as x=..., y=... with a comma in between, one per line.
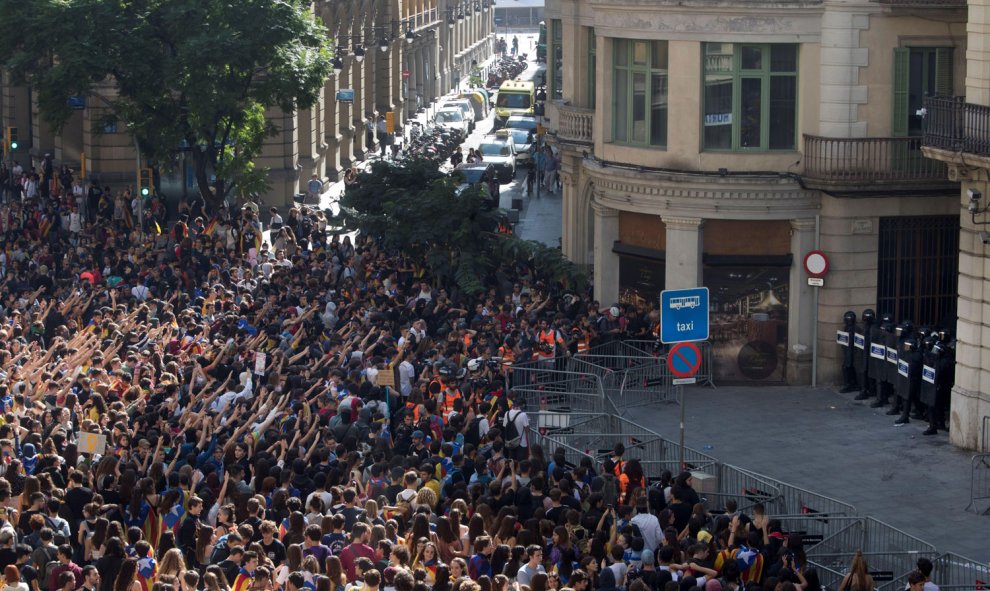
x=683, y=361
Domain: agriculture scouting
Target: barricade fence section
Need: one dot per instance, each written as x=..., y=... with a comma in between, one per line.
x=573, y=405
x=889, y=552
x=958, y=573
x=979, y=484
x=747, y=489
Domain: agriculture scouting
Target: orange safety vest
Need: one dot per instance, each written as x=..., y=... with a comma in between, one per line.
x=583, y=345
x=549, y=337
x=467, y=339
x=448, y=401
x=506, y=354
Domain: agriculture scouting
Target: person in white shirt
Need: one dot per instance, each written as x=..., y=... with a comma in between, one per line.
x=534, y=566
x=649, y=527
x=276, y=223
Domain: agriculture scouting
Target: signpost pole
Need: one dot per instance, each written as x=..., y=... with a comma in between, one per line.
x=680, y=395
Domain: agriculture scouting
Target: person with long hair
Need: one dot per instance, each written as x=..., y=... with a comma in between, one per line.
x=127, y=578
x=858, y=578
x=448, y=543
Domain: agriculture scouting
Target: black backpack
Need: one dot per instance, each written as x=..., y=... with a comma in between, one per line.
x=473, y=434
x=510, y=433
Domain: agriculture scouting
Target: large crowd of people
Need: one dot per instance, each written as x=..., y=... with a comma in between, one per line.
x=204, y=406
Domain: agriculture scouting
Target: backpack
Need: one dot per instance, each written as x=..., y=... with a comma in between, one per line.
x=50, y=567
x=510, y=433
x=473, y=434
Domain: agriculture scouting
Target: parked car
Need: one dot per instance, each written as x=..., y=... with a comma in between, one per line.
x=452, y=118
x=477, y=173
x=465, y=106
x=522, y=122
x=523, y=141
x=500, y=151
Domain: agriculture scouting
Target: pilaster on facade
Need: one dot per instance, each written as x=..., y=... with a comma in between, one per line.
x=842, y=59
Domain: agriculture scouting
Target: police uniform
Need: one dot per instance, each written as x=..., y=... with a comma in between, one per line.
x=849, y=353
x=867, y=381
x=878, y=364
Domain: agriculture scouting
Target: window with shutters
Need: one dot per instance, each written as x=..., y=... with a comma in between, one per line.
x=918, y=72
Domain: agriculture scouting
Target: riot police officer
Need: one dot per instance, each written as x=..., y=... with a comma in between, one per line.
x=862, y=340
x=878, y=361
x=927, y=392
x=913, y=358
x=848, y=352
x=945, y=369
x=902, y=333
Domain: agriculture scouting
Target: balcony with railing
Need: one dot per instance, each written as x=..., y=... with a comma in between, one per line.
x=575, y=125
x=871, y=164
x=954, y=125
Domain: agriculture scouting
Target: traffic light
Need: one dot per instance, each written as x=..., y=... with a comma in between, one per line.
x=10, y=139
x=145, y=177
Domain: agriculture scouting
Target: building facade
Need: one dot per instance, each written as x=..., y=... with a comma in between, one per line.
x=394, y=56
x=958, y=135
x=716, y=142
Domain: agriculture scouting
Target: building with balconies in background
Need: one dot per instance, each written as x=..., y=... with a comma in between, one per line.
x=393, y=56
x=957, y=136
x=716, y=142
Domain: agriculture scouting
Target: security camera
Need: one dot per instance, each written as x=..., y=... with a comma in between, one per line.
x=974, y=200
x=985, y=237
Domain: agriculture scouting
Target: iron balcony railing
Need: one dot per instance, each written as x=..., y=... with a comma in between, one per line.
x=868, y=160
x=953, y=124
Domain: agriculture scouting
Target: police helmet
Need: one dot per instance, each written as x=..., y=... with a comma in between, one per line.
x=887, y=318
x=910, y=344
x=928, y=343
x=849, y=317
x=944, y=335
x=446, y=371
x=869, y=316
x=905, y=329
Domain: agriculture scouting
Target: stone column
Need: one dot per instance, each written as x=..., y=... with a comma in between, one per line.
x=684, y=249
x=800, y=307
x=606, y=261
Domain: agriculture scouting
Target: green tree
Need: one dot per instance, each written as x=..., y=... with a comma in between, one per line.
x=199, y=73
x=416, y=209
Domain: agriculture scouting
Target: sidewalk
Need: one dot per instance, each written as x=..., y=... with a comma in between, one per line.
x=830, y=444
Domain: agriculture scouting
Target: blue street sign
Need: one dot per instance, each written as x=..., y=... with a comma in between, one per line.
x=684, y=315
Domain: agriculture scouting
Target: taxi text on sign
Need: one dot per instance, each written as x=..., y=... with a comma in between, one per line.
x=684, y=315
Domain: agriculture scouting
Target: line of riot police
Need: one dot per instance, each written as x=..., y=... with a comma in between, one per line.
x=911, y=369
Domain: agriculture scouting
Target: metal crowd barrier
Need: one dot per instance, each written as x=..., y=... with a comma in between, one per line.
x=706, y=373
x=979, y=484
x=747, y=489
x=954, y=572
x=572, y=404
x=593, y=435
x=647, y=384
x=798, y=501
x=890, y=553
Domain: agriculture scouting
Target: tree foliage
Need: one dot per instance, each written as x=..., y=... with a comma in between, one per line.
x=199, y=73
x=416, y=209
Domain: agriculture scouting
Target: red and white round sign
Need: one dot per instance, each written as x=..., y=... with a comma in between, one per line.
x=816, y=263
